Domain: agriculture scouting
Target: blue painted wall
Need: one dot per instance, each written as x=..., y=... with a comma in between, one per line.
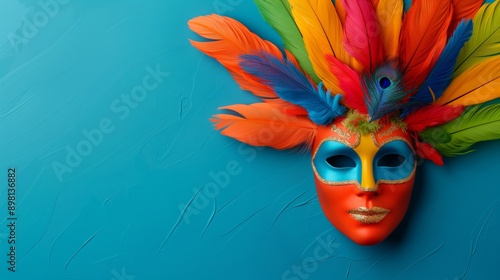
x=104, y=109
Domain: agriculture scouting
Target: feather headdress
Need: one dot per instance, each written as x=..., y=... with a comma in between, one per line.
x=432, y=67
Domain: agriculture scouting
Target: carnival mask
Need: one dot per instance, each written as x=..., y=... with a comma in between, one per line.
x=368, y=89
x=364, y=181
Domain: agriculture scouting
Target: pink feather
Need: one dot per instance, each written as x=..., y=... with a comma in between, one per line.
x=350, y=84
x=362, y=36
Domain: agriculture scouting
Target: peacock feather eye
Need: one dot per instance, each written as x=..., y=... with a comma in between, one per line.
x=385, y=82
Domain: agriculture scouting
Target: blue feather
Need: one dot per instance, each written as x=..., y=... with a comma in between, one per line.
x=383, y=91
x=292, y=85
x=441, y=75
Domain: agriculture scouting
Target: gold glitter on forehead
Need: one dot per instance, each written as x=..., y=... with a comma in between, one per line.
x=389, y=131
x=344, y=132
x=335, y=139
x=392, y=139
x=341, y=132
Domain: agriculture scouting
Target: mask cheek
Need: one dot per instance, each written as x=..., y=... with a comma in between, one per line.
x=395, y=197
x=335, y=200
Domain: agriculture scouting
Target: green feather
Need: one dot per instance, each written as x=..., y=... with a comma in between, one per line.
x=279, y=15
x=476, y=124
x=485, y=40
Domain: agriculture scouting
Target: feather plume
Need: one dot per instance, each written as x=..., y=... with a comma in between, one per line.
x=463, y=9
x=262, y=125
x=232, y=39
x=390, y=18
x=350, y=84
x=294, y=110
x=292, y=85
x=279, y=15
x=383, y=91
x=426, y=151
x=485, y=40
x=362, y=35
x=432, y=115
x=476, y=124
x=322, y=32
x=423, y=37
x=339, y=7
x=440, y=77
x=477, y=85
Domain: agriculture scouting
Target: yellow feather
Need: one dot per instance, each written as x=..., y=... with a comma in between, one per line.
x=478, y=84
x=322, y=31
x=390, y=18
x=485, y=40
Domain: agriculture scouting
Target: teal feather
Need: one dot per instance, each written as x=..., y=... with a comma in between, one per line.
x=383, y=91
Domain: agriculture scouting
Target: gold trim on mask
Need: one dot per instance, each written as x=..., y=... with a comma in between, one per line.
x=407, y=179
x=389, y=131
x=344, y=132
x=341, y=132
x=355, y=182
x=332, y=183
x=392, y=139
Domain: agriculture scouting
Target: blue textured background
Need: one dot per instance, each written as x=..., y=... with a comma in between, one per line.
x=136, y=205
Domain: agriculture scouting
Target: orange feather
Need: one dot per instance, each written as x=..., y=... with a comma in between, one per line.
x=390, y=18
x=339, y=6
x=261, y=124
x=423, y=38
x=322, y=31
x=463, y=9
x=476, y=85
x=231, y=40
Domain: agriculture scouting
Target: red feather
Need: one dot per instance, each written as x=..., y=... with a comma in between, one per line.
x=362, y=36
x=423, y=38
x=295, y=110
x=463, y=9
x=350, y=83
x=426, y=151
x=432, y=115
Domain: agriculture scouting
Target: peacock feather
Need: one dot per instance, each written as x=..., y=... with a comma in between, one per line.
x=431, y=65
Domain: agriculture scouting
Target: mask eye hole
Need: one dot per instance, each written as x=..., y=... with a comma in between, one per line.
x=391, y=160
x=341, y=161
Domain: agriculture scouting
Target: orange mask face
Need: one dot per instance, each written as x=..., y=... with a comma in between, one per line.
x=364, y=182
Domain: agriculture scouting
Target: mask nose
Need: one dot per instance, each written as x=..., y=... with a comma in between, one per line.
x=367, y=151
x=368, y=183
